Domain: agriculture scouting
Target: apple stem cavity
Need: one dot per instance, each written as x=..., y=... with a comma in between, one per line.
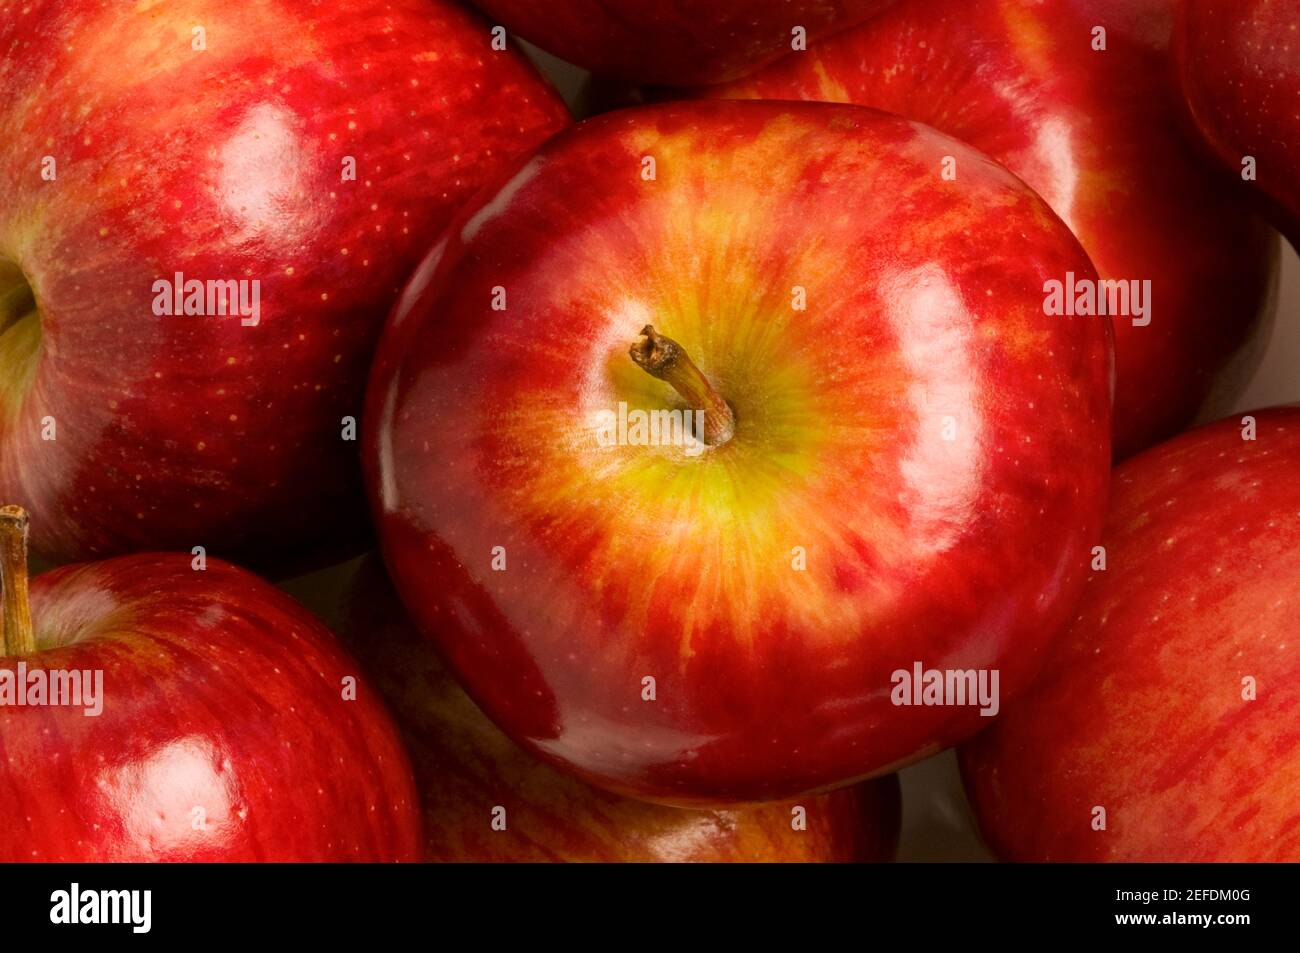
x=16, y=635
x=664, y=358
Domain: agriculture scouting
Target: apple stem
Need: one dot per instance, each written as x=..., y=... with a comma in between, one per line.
x=16, y=635
x=664, y=358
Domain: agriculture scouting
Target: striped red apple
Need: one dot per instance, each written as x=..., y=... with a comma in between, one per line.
x=1164, y=726
x=270, y=169
x=153, y=708
x=902, y=457
x=1239, y=68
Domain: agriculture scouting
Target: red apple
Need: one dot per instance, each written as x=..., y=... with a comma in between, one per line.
x=217, y=141
x=469, y=774
x=214, y=721
x=1095, y=133
x=689, y=41
x=903, y=459
x=1172, y=702
x=1239, y=65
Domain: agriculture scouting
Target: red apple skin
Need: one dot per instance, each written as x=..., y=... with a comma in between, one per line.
x=465, y=767
x=687, y=42
x=1140, y=707
x=220, y=693
x=1097, y=135
x=225, y=163
x=627, y=562
x=1239, y=66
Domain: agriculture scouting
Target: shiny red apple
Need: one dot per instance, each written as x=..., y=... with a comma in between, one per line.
x=1096, y=133
x=689, y=41
x=1164, y=726
x=485, y=799
x=895, y=455
x=254, y=158
x=1239, y=65
x=213, y=719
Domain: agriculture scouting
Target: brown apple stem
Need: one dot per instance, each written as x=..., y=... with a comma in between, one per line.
x=16, y=635
x=664, y=358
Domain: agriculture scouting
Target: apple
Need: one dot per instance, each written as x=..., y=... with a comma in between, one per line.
x=690, y=41
x=1095, y=133
x=471, y=777
x=1164, y=726
x=1239, y=66
x=894, y=454
x=204, y=716
x=256, y=158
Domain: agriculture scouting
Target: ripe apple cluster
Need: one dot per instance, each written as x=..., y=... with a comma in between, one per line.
x=925, y=294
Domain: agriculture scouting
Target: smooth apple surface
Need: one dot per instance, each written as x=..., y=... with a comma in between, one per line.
x=916, y=472
x=485, y=799
x=1171, y=704
x=1239, y=66
x=690, y=41
x=1095, y=133
x=225, y=731
x=312, y=151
